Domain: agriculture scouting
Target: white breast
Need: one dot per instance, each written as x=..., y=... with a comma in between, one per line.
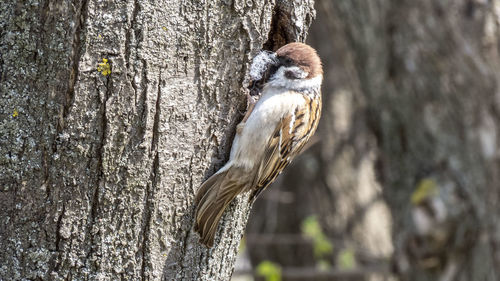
x=249, y=146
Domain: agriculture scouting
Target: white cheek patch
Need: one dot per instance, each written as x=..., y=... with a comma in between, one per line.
x=280, y=75
x=279, y=80
x=299, y=73
x=261, y=63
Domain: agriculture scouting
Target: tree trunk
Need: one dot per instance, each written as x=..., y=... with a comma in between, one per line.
x=429, y=72
x=112, y=115
x=417, y=101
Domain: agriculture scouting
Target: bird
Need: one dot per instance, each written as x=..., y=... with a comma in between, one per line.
x=283, y=113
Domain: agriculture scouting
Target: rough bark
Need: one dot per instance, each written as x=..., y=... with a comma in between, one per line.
x=98, y=172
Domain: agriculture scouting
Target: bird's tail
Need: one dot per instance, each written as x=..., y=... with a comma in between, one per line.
x=212, y=199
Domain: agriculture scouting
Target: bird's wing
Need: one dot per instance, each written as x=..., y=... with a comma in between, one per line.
x=213, y=197
x=291, y=134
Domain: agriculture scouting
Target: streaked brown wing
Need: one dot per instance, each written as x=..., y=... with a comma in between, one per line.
x=212, y=199
x=288, y=139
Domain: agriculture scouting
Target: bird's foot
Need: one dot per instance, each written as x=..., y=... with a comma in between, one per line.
x=251, y=101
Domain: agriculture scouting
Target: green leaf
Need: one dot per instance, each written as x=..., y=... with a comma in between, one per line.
x=243, y=245
x=323, y=265
x=346, y=259
x=322, y=247
x=426, y=188
x=312, y=229
x=269, y=270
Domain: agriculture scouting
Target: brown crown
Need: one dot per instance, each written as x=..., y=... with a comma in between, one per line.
x=303, y=56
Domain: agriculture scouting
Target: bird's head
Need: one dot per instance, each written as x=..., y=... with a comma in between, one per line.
x=295, y=66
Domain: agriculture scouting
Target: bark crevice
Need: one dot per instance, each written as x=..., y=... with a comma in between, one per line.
x=286, y=27
x=154, y=177
x=92, y=223
x=128, y=36
x=80, y=20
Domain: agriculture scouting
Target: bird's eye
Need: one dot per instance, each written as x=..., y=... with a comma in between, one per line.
x=285, y=61
x=291, y=75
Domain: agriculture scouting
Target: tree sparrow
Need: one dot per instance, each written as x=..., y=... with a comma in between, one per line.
x=272, y=133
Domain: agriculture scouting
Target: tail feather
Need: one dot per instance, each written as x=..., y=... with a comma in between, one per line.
x=212, y=199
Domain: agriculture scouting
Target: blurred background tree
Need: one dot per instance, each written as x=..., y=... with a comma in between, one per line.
x=404, y=173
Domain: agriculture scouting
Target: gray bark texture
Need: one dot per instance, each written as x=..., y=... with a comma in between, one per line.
x=411, y=125
x=98, y=170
